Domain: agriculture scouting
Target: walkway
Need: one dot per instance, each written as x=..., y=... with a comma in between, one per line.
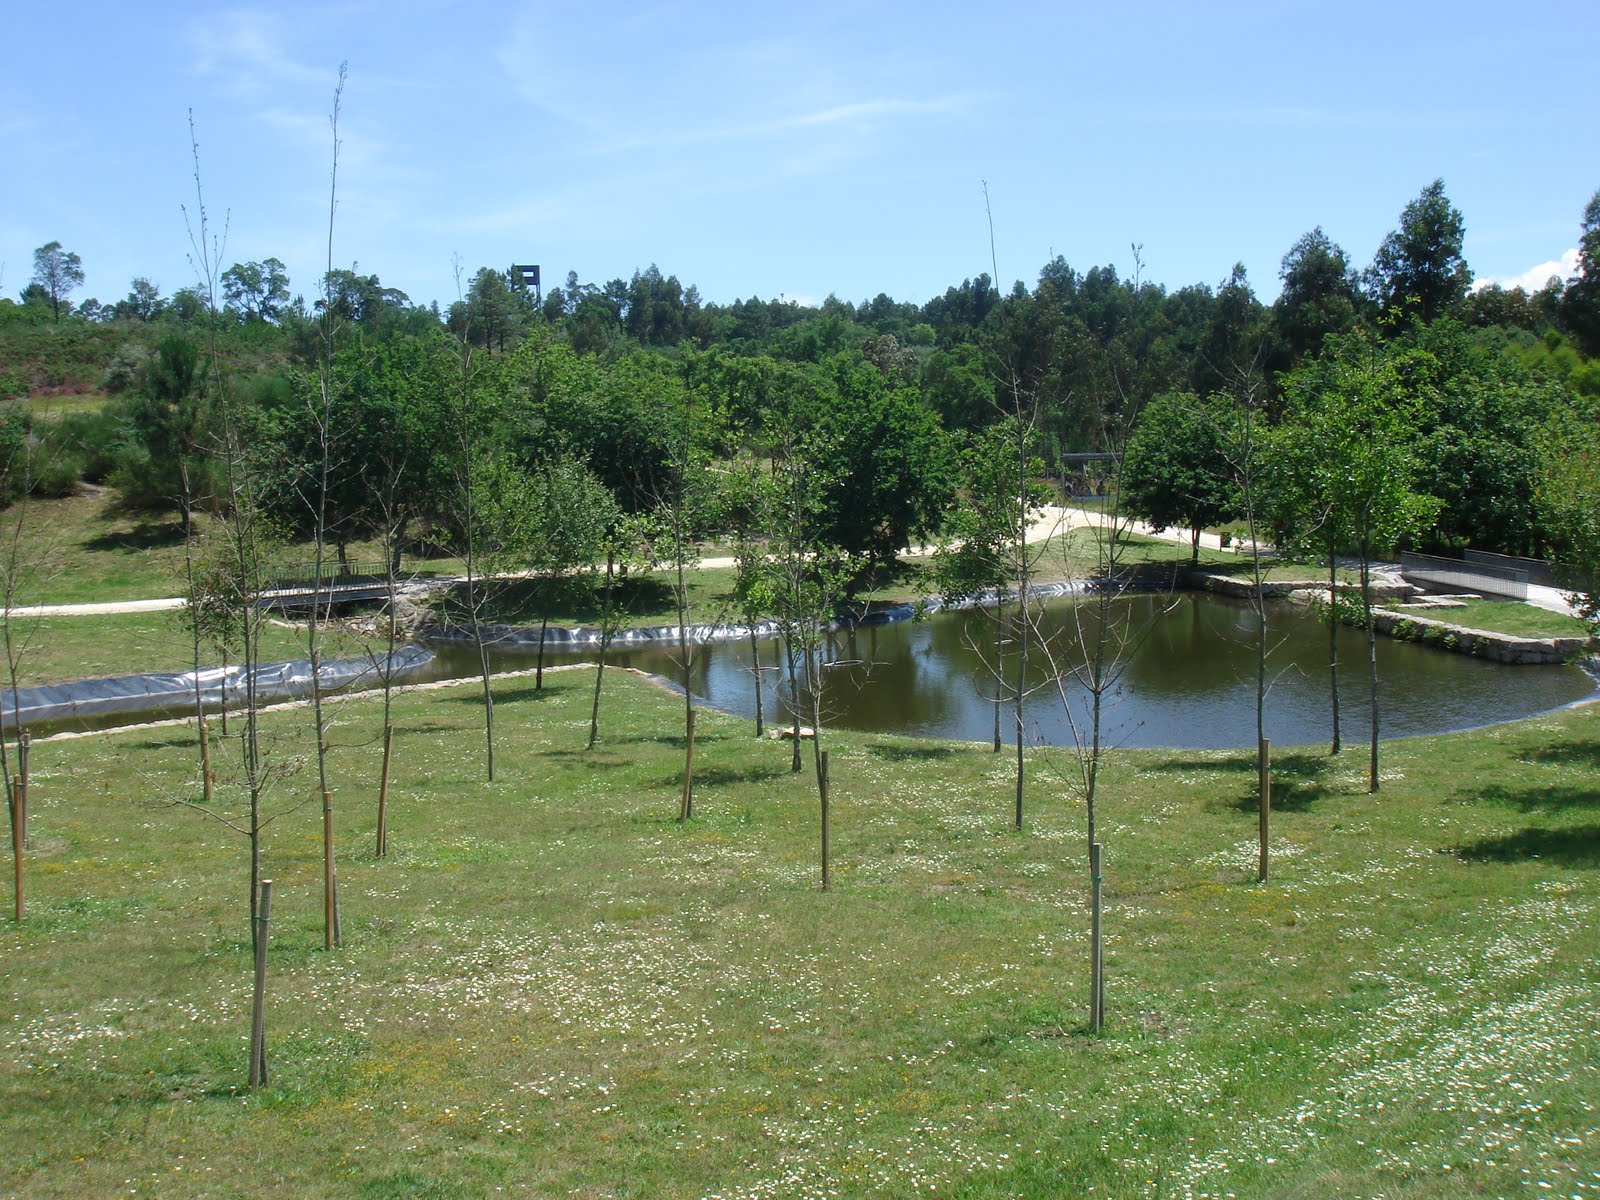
x=1051, y=520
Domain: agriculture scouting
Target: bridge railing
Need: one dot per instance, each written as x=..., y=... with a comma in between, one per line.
x=1488, y=579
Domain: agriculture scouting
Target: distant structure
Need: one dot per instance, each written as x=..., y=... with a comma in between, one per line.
x=528, y=277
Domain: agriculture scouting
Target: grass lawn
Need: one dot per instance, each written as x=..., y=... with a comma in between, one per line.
x=85, y=550
x=56, y=649
x=551, y=987
x=1509, y=616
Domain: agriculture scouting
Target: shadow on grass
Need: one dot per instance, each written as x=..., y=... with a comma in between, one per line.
x=1576, y=846
x=1536, y=799
x=146, y=535
x=892, y=753
x=414, y=728
x=167, y=743
x=712, y=777
x=1297, y=779
x=1578, y=752
x=577, y=600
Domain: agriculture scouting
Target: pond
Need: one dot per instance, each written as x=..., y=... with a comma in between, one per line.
x=1187, y=679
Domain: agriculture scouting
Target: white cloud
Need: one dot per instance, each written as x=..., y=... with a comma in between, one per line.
x=247, y=52
x=1534, y=278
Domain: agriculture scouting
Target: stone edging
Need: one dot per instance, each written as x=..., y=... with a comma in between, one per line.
x=1430, y=631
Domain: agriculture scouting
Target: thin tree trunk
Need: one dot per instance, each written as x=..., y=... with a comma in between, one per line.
x=794, y=707
x=755, y=674
x=1372, y=665
x=999, y=666
x=1333, y=648
x=538, y=672
x=685, y=656
x=605, y=644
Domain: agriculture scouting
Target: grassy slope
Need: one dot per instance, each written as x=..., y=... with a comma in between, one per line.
x=56, y=649
x=551, y=987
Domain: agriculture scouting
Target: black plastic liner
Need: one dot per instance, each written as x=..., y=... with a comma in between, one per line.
x=218, y=686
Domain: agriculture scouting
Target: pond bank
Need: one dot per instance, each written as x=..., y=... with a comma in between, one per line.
x=1507, y=648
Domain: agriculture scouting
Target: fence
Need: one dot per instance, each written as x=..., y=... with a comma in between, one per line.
x=303, y=575
x=1538, y=570
x=1458, y=574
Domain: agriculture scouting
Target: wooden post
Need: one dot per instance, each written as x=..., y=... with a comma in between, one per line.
x=1097, y=981
x=14, y=802
x=205, y=758
x=822, y=781
x=1264, y=791
x=258, y=1007
x=24, y=744
x=687, y=809
x=330, y=902
x=383, y=794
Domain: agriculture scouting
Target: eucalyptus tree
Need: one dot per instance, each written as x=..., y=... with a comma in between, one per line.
x=57, y=272
x=1580, y=301
x=1420, y=262
x=1320, y=296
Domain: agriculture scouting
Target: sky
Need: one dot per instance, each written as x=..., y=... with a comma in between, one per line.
x=787, y=150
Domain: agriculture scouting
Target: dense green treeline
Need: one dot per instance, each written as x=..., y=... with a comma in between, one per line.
x=879, y=396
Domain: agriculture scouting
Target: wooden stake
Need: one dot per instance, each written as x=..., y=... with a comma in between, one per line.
x=383, y=794
x=687, y=809
x=1264, y=791
x=1097, y=965
x=24, y=743
x=14, y=802
x=205, y=758
x=822, y=781
x=258, y=1007
x=330, y=896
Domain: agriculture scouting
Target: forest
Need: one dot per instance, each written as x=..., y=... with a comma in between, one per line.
x=572, y=963
x=444, y=423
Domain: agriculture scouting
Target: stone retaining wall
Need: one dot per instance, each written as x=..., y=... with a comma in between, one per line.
x=1483, y=643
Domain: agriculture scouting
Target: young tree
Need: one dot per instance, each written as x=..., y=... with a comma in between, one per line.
x=626, y=545
x=1085, y=659
x=1348, y=456
x=565, y=516
x=58, y=273
x=979, y=557
x=477, y=466
x=684, y=499
x=314, y=495
x=24, y=559
x=804, y=581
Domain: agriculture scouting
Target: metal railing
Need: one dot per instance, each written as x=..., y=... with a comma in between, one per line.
x=1459, y=574
x=1538, y=570
x=304, y=576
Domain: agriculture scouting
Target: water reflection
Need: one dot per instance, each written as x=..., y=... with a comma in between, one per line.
x=1188, y=680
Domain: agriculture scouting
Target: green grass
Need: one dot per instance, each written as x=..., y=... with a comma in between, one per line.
x=551, y=987
x=56, y=649
x=50, y=408
x=1509, y=616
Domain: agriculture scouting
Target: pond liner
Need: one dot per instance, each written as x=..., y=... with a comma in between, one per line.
x=519, y=637
x=218, y=686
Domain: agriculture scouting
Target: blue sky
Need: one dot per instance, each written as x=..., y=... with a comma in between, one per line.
x=790, y=150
